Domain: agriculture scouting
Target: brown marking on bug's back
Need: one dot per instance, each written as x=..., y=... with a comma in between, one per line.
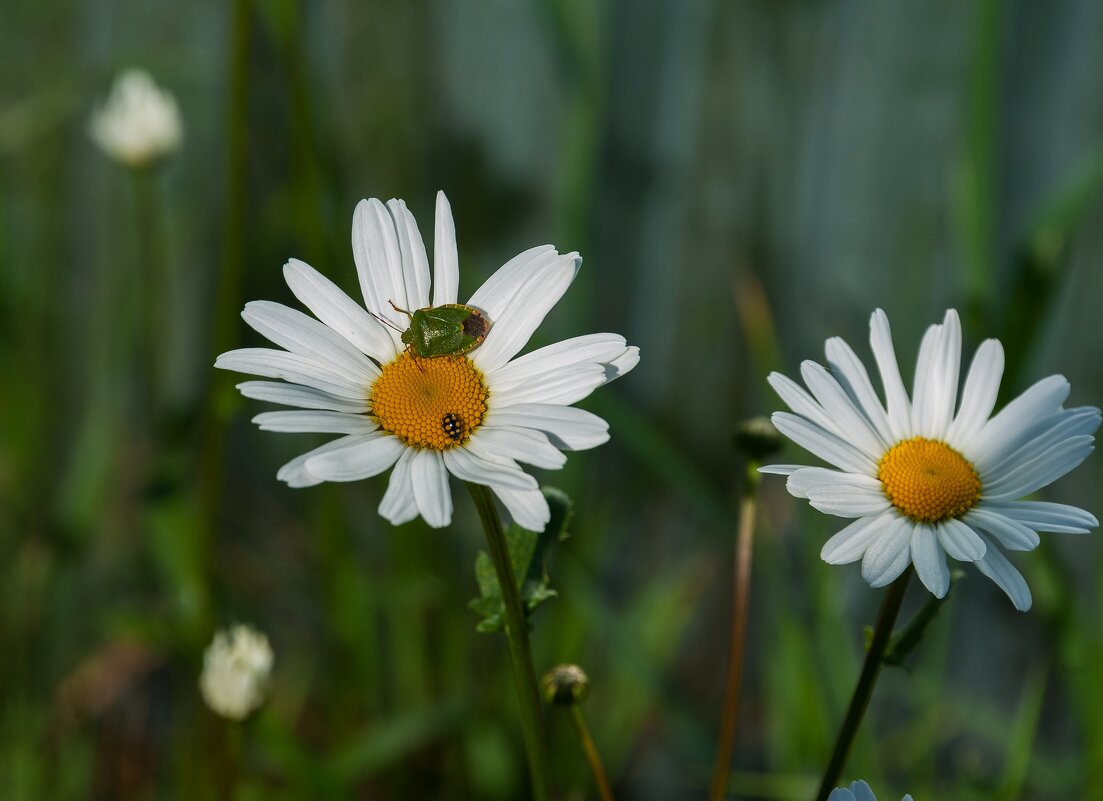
x=476, y=326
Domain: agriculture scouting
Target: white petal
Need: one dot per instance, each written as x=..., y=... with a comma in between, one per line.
x=1056, y=428
x=540, y=290
x=379, y=265
x=1056, y=518
x=291, y=367
x=494, y=296
x=861, y=791
x=370, y=456
x=852, y=375
x=528, y=508
x=930, y=560
x=802, y=403
x=781, y=469
x=960, y=541
x=849, y=422
x=607, y=350
x=889, y=554
x=563, y=355
x=1011, y=534
x=398, y=505
x=429, y=480
x=304, y=397
x=896, y=397
x=466, y=466
x=568, y=428
x=562, y=387
x=982, y=386
x=926, y=365
x=304, y=335
x=446, y=260
x=823, y=444
x=295, y=472
x=1044, y=469
x=337, y=310
x=623, y=364
x=943, y=378
x=518, y=444
x=1013, y=425
x=316, y=422
x=850, y=544
x=812, y=481
x=849, y=502
x=996, y=566
x=415, y=264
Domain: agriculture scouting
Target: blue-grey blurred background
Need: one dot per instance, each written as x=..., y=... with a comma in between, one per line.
x=744, y=178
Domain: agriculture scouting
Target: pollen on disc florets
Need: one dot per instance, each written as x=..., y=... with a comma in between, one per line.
x=430, y=402
x=928, y=480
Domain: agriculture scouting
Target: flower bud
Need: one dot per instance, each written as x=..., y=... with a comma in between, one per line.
x=139, y=123
x=236, y=669
x=565, y=685
x=757, y=438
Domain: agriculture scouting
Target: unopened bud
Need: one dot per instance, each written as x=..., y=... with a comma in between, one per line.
x=565, y=685
x=757, y=438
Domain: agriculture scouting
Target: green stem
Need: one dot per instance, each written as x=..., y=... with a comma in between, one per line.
x=231, y=768
x=882, y=633
x=520, y=652
x=592, y=756
x=744, y=550
x=228, y=300
x=149, y=290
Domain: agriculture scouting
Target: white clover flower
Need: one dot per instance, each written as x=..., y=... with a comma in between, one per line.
x=236, y=669
x=473, y=414
x=858, y=791
x=921, y=481
x=139, y=123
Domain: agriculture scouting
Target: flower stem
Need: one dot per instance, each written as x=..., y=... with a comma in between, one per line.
x=744, y=549
x=149, y=290
x=882, y=633
x=228, y=292
x=592, y=756
x=520, y=652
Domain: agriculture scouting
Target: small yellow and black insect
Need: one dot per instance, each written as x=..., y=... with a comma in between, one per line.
x=452, y=425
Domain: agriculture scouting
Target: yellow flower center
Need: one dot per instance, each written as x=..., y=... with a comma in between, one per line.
x=430, y=403
x=928, y=480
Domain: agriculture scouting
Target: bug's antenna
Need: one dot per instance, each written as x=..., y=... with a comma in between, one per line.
x=408, y=314
x=386, y=322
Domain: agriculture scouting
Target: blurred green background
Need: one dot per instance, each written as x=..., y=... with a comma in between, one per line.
x=743, y=178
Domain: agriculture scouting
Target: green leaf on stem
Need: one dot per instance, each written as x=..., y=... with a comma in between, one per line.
x=912, y=634
x=528, y=550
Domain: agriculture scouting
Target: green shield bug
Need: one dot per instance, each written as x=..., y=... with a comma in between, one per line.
x=447, y=330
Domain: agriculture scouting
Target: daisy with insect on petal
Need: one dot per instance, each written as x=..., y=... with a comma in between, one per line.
x=858, y=791
x=417, y=382
x=931, y=475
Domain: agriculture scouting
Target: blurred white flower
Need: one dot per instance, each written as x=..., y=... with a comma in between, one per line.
x=236, y=668
x=139, y=123
x=922, y=482
x=859, y=791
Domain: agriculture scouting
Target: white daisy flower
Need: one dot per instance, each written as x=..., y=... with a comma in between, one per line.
x=236, y=668
x=858, y=791
x=139, y=123
x=921, y=481
x=474, y=414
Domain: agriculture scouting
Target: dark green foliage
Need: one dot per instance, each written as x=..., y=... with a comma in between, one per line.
x=528, y=550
